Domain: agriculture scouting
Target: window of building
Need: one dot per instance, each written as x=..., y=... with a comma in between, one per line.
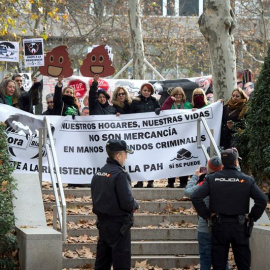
x=188, y=7
x=173, y=7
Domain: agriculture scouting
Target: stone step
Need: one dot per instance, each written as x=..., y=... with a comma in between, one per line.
x=138, y=193
x=145, y=206
x=148, y=247
x=143, y=219
x=147, y=233
x=165, y=262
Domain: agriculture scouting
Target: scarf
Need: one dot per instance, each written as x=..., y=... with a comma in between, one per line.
x=199, y=102
x=9, y=99
x=177, y=106
x=236, y=108
x=68, y=100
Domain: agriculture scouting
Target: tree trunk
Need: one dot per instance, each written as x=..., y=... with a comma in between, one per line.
x=136, y=39
x=216, y=24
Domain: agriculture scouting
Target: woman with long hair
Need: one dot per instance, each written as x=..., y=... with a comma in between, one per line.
x=177, y=100
x=121, y=100
x=10, y=94
x=234, y=112
x=65, y=101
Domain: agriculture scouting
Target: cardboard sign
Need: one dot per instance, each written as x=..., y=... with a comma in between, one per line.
x=97, y=62
x=57, y=63
x=101, y=84
x=79, y=86
x=9, y=51
x=33, y=52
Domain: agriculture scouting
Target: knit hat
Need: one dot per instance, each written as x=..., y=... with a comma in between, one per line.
x=149, y=87
x=214, y=164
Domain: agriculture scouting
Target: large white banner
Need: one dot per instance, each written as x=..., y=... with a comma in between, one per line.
x=164, y=145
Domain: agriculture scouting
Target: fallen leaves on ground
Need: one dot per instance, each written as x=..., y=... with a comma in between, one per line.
x=84, y=252
x=82, y=239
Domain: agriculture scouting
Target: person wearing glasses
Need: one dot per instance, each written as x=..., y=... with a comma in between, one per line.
x=145, y=102
x=28, y=98
x=49, y=101
x=177, y=100
x=234, y=112
x=99, y=100
x=121, y=100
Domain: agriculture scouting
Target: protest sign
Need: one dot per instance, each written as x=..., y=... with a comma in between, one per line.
x=164, y=145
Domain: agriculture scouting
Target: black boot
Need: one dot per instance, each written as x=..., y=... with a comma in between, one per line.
x=139, y=184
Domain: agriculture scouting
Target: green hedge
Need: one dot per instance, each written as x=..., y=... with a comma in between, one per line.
x=8, y=241
x=254, y=141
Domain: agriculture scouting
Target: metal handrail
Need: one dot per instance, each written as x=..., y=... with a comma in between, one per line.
x=48, y=143
x=212, y=140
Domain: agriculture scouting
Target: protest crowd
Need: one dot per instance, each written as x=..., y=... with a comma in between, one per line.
x=209, y=193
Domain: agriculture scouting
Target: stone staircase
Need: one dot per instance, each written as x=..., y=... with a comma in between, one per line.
x=164, y=231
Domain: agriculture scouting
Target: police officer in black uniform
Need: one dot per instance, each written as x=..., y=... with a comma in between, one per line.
x=230, y=191
x=114, y=206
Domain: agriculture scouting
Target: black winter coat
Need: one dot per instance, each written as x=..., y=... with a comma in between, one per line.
x=48, y=112
x=62, y=108
x=141, y=104
x=122, y=108
x=111, y=191
x=95, y=107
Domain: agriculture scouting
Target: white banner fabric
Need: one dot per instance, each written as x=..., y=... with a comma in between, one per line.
x=164, y=145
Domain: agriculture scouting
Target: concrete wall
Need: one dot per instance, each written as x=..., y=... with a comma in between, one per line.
x=40, y=247
x=260, y=244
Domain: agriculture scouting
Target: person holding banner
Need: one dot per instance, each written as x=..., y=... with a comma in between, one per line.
x=64, y=103
x=114, y=206
x=121, y=100
x=199, y=99
x=145, y=102
x=177, y=100
x=99, y=100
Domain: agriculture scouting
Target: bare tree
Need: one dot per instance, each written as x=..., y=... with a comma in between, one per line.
x=217, y=24
x=136, y=39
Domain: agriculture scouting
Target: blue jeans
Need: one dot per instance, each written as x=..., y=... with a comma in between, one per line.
x=204, y=240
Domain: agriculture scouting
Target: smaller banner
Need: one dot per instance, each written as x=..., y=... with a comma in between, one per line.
x=9, y=51
x=33, y=52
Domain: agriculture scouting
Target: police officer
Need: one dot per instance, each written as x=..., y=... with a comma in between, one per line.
x=114, y=206
x=230, y=191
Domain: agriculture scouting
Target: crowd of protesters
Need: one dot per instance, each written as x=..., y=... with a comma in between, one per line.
x=64, y=102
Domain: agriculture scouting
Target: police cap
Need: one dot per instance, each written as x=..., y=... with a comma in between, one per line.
x=229, y=156
x=118, y=145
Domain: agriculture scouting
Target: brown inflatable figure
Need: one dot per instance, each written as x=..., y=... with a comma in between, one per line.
x=97, y=62
x=57, y=63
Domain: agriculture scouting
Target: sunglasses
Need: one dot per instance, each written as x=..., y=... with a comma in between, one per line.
x=18, y=80
x=49, y=102
x=121, y=94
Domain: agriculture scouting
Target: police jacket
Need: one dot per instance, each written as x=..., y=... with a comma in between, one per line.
x=229, y=191
x=94, y=106
x=141, y=104
x=111, y=191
